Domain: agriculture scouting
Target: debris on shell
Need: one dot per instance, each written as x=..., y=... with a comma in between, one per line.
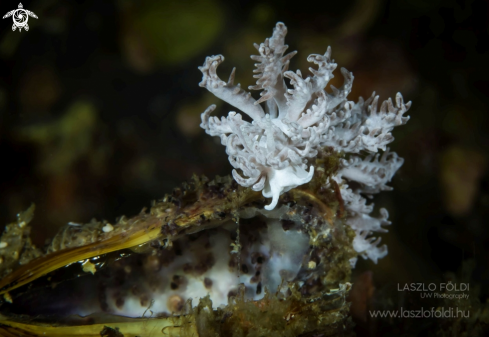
x=7, y=297
x=89, y=267
x=107, y=228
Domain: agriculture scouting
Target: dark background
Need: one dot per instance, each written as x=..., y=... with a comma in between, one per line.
x=100, y=110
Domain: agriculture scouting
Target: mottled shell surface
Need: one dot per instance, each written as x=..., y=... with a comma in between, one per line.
x=206, y=260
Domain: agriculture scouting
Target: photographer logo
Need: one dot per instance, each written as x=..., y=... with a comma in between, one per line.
x=20, y=17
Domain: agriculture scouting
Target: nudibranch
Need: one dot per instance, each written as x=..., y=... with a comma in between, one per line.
x=276, y=151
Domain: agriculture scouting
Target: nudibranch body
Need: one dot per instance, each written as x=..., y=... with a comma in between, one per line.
x=276, y=151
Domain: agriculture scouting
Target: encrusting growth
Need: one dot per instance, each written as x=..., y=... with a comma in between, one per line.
x=275, y=152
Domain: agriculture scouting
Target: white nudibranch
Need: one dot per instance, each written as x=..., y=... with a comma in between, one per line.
x=275, y=152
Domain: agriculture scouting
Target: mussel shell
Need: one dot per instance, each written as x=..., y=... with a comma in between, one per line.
x=197, y=206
